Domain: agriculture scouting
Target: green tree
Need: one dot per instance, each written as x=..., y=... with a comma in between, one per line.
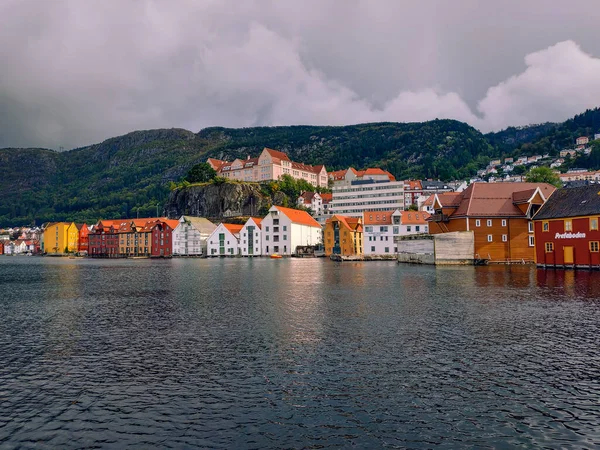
x=200, y=173
x=543, y=175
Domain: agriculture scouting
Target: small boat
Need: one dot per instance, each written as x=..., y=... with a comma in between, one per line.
x=276, y=256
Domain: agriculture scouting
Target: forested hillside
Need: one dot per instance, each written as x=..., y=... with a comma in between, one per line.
x=127, y=175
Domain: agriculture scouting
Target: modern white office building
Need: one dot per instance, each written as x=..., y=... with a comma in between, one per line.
x=366, y=195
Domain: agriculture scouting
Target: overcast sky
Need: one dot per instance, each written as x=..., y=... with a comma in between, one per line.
x=75, y=72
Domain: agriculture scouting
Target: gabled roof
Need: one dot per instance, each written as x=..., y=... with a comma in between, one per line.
x=215, y=163
x=378, y=217
x=257, y=221
x=413, y=184
x=299, y=217
x=429, y=201
x=326, y=197
x=308, y=197
x=201, y=224
x=571, y=202
x=276, y=154
x=496, y=199
x=448, y=199
x=172, y=223
x=233, y=228
x=352, y=223
x=375, y=171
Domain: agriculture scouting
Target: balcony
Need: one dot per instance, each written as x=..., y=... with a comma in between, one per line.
x=439, y=217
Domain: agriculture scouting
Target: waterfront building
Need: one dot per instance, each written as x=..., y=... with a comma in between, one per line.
x=250, y=243
x=567, y=230
x=148, y=237
x=161, y=232
x=224, y=240
x=498, y=214
x=366, y=195
x=284, y=229
x=103, y=240
x=191, y=235
x=61, y=238
x=270, y=165
x=382, y=227
x=83, y=238
x=346, y=176
x=343, y=235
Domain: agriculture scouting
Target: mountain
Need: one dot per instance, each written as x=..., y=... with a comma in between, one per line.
x=128, y=175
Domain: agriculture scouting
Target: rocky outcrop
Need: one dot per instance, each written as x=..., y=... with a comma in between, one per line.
x=219, y=201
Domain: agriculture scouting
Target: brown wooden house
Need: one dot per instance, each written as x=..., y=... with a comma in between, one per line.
x=498, y=214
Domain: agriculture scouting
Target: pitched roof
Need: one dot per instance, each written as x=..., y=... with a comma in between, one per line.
x=277, y=154
x=307, y=197
x=378, y=217
x=429, y=200
x=413, y=184
x=449, y=199
x=496, y=199
x=299, y=217
x=571, y=202
x=352, y=223
x=414, y=217
x=215, y=163
x=201, y=224
x=233, y=228
x=172, y=223
x=326, y=197
x=375, y=171
x=339, y=174
x=257, y=221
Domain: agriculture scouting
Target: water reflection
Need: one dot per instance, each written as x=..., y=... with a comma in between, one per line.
x=239, y=353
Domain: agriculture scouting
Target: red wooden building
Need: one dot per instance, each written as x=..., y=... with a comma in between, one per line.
x=103, y=242
x=162, y=237
x=83, y=244
x=566, y=229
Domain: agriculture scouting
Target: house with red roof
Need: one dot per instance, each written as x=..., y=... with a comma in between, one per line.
x=250, y=243
x=224, y=241
x=284, y=229
x=270, y=165
x=103, y=240
x=346, y=176
x=498, y=214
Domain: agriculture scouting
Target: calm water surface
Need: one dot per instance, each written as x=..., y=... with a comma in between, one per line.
x=237, y=353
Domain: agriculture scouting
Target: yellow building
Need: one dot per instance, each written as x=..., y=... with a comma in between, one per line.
x=61, y=238
x=343, y=236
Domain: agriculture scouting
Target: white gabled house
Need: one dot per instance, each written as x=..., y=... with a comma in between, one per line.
x=190, y=237
x=224, y=241
x=313, y=201
x=251, y=237
x=284, y=229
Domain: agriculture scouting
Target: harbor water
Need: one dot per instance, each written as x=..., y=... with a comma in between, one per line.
x=296, y=353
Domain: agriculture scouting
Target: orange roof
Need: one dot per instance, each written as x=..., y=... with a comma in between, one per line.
x=215, y=163
x=299, y=217
x=449, y=199
x=173, y=223
x=326, y=197
x=429, y=201
x=277, y=154
x=352, y=223
x=378, y=217
x=414, y=218
x=233, y=228
x=338, y=174
x=413, y=184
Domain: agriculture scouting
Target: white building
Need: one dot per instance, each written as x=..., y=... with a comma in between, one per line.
x=224, y=241
x=250, y=243
x=313, y=201
x=597, y=136
x=351, y=200
x=190, y=237
x=283, y=229
x=381, y=227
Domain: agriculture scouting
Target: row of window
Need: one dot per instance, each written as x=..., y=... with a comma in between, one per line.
x=531, y=239
x=568, y=225
x=593, y=246
x=489, y=222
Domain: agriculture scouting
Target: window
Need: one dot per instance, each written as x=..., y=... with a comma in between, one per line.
x=489, y=222
x=408, y=228
x=369, y=229
x=489, y=238
x=285, y=228
x=503, y=222
x=504, y=238
x=266, y=237
x=594, y=223
x=545, y=226
x=530, y=227
x=387, y=249
x=285, y=237
x=396, y=230
x=568, y=225
x=549, y=247
x=417, y=228
x=531, y=241
x=594, y=246
x=267, y=230
x=478, y=223
x=372, y=248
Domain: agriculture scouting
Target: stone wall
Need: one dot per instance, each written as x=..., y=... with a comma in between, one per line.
x=442, y=249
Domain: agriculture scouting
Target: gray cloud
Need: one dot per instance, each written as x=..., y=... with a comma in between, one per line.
x=75, y=73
